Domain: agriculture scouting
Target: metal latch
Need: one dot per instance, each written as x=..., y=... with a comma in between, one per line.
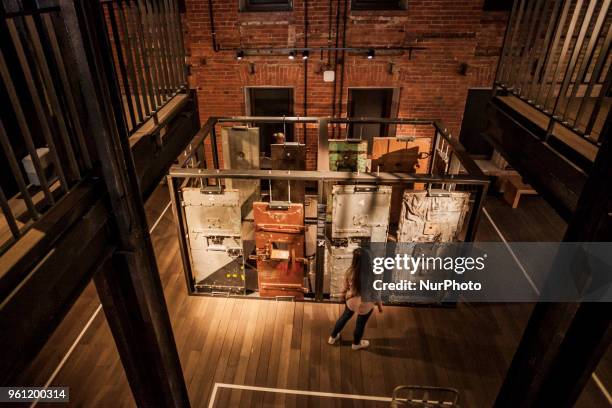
x=369, y=189
x=279, y=205
x=212, y=190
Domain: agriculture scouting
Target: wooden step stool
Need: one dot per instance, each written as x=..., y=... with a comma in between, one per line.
x=514, y=188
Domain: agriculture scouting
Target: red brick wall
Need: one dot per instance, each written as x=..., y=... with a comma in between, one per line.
x=453, y=32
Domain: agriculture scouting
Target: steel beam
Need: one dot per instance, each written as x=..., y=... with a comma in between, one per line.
x=331, y=176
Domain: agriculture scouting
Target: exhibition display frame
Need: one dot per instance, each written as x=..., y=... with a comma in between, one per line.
x=192, y=167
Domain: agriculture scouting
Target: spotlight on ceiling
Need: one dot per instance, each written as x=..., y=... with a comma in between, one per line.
x=305, y=54
x=292, y=55
x=371, y=53
x=239, y=55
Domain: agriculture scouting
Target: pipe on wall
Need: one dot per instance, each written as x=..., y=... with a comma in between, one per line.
x=305, y=63
x=333, y=100
x=213, y=33
x=345, y=18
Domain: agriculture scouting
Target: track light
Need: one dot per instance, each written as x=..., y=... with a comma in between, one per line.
x=292, y=55
x=305, y=54
x=371, y=53
x=239, y=55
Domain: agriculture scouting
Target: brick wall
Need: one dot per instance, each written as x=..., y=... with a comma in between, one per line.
x=453, y=32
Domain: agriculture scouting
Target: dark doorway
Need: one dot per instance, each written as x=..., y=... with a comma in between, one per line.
x=475, y=122
x=370, y=103
x=271, y=102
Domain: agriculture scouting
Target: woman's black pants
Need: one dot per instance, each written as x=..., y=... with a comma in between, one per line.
x=359, y=326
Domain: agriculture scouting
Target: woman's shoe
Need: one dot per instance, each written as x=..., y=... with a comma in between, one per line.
x=333, y=340
x=362, y=344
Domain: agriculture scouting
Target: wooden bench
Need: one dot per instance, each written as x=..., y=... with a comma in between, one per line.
x=514, y=188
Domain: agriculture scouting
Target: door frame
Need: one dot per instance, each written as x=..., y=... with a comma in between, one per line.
x=247, y=96
x=393, y=110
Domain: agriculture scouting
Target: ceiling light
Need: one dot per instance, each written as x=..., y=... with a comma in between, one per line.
x=239, y=55
x=371, y=53
x=305, y=54
x=292, y=55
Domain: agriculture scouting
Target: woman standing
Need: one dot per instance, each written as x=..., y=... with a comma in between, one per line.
x=353, y=304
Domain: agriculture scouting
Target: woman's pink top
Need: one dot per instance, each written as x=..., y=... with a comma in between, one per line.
x=353, y=300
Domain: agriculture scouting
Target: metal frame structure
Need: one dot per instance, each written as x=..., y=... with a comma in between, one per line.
x=203, y=171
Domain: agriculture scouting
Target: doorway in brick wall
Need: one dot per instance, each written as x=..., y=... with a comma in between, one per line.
x=270, y=101
x=372, y=103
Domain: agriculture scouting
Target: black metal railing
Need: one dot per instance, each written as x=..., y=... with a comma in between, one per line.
x=149, y=59
x=44, y=148
x=557, y=58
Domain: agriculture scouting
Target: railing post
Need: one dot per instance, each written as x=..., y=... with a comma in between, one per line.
x=129, y=284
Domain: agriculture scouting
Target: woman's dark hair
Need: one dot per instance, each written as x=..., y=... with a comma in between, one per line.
x=355, y=271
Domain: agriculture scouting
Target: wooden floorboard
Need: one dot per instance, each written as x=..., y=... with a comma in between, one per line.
x=284, y=344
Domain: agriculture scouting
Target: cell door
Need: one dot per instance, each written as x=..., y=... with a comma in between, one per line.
x=214, y=238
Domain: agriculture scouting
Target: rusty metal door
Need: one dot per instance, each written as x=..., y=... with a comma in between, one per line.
x=428, y=217
x=214, y=237
x=401, y=155
x=288, y=156
x=436, y=216
x=240, y=146
x=279, y=247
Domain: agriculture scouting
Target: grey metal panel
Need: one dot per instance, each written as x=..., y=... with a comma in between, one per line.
x=212, y=214
x=434, y=216
x=361, y=211
x=240, y=146
x=337, y=261
x=214, y=239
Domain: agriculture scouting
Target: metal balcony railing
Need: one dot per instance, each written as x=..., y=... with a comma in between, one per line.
x=149, y=58
x=557, y=58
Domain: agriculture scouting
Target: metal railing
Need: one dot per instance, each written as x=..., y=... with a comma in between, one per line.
x=147, y=44
x=44, y=148
x=556, y=57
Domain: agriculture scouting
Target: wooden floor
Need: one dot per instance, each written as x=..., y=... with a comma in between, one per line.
x=283, y=344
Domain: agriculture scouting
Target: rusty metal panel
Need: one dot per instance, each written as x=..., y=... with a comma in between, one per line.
x=361, y=212
x=288, y=156
x=435, y=217
x=348, y=155
x=240, y=146
x=288, y=220
x=401, y=155
x=279, y=246
x=214, y=238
